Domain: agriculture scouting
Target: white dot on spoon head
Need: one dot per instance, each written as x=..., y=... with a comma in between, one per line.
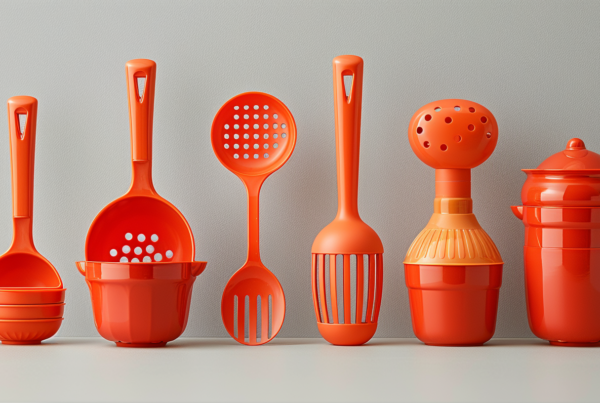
x=126, y=249
x=158, y=257
x=128, y=236
x=147, y=259
x=123, y=259
x=149, y=248
x=169, y=254
x=137, y=250
x=154, y=237
x=135, y=260
x=141, y=237
x=113, y=252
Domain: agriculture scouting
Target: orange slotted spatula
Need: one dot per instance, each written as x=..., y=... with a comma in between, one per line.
x=347, y=236
x=253, y=135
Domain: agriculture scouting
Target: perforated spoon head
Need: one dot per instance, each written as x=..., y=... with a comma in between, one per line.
x=253, y=135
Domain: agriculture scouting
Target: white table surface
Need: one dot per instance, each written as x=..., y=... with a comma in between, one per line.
x=298, y=370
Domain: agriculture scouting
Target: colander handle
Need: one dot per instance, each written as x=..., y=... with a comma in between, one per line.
x=22, y=153
x=141, y=106
x=347, y=104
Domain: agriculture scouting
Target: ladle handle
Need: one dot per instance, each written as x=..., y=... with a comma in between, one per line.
x=22, y=152
x=141, y=78
x=347, y=105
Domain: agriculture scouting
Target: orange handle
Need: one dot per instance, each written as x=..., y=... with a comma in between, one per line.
x=22, y=153
x=347, y=130
x=141, y=106
x=253, y=185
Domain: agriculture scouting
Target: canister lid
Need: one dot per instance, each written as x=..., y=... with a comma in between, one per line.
x=574, y=157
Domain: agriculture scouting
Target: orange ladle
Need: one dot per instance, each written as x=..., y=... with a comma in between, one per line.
x=22, y=265
x=140, y=226
x=253, y=135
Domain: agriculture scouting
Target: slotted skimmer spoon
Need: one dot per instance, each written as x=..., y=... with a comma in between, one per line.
x=356, y=244
x=253, y=135
x=140, y=226
x=22, y=265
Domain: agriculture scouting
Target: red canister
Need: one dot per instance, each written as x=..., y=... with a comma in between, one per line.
x=561, y=213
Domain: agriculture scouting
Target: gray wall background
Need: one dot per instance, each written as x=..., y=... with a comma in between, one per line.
x=533, y=64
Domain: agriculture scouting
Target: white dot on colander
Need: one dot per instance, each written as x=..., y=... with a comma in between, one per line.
x=236, y=146
x=283, y=126
x=274, y=135
x=226, y=136
x=256, y=136
x=275, y=145
x=236, y=126
x=255, y=126
x=135, y=260
x=246, y=146
x=226, y=126
x=137, y=250
x=266, y=155
x=266, y=107
x=266, y=146
x=255, y=107
x=128, y=236
x=236, y=117
x=169, y=254
x=158, y=257
x=246, y=156
x=236, y=136
x=126, y=249
x=246, y=136
x=275, y=126
x=246, y=126
x=255, y=156
x=246, y=116
x=283, y=135
x=256, y=146
x=113, y=252
x=275, y=116
x=141, y=237
x=266, y=116
x=236, y=156
x=266, y=126
x=236, y=107
x=154, y=237
x=226, y=146
x=255, y=116
x=147, y=259
x=266, y=136
x=123, y=259
x=246, y=107
x=149, y=248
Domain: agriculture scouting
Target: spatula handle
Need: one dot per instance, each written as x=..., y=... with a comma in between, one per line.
x=141, y=106
x=22, y=153
x=347, y=104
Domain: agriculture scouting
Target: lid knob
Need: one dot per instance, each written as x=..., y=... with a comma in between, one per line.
x=575, y=144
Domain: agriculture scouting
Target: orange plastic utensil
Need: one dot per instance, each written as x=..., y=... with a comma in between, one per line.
x=253, y=135
x=141, y=225
x=22, y=265
x=347, y=236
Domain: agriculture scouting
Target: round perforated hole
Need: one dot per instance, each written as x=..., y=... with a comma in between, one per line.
x=266, y=107
x=236, y=146
x=169, y=254
x=147, y=259
x=265, y=126
x=141, y=238
x=266, y=155
x=236, y=117
x=265, y=116
x=283, y=135
x=137, y=250
x=135, y=260
x=126, y=249
x=256, y=136
x=437, y=109
x=149, y=249
x=255, y=107
x=255, y=116
x=266, y=146
x=226, y=126
x=483, y=119
x=157, y=257
x=457, y=108
x=426, y=144
x=472, y=110
x=458, y=139
x=154, y=237
x=266, y=136
x=246, y=107
x=246, y=136
x=123, y=260
x=246, y=146
x=256, y=126
x=246, y=126
x=488, y=135
x=236, y=156
x=274, y=135
x=226, y=136
x=275, y=125
x=471, y=127
x=236, y=107
x=419, y=130
x=113, y=252
x=255, y=156
x=443, y=147
x=236, y=136
x=246, y=156
x=226, y=146
x=275, y=145
x=236, y=126
x=428, y=117
x=256, y=146
x=283, y=125
x=275, y=116
x=129, y=236
x=246, y=116
x=448, y=119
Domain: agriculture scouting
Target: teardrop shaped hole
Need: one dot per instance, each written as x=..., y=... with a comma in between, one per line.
x=140, y=83
x=348, y=81
x=21, y=124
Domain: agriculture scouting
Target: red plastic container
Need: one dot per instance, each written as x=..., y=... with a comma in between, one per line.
x=140, y=304
x=453, y=270
x=561, y=214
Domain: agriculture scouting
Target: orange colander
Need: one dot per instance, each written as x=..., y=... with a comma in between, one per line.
x=347, y=245
x=253, y=135
x=140, y=226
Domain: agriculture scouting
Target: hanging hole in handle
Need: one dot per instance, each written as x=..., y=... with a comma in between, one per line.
x=140, y=84
x=348, y=82
x=21, y=124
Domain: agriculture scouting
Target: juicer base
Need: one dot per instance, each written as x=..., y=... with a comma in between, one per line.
x=575, y=344
x=141, y=345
